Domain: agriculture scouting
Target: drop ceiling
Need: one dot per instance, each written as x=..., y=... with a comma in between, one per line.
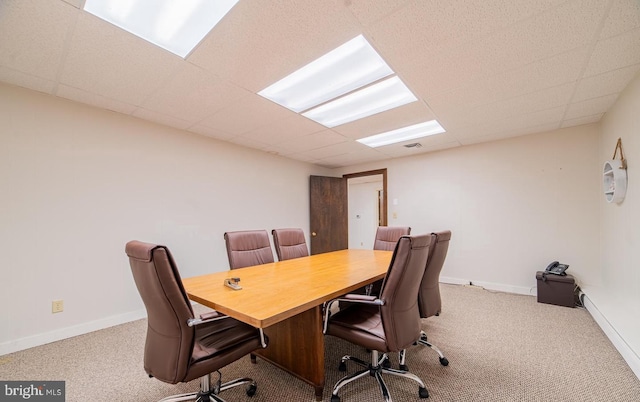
x=486, y=70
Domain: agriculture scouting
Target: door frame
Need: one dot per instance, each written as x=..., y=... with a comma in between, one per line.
x=376, y=172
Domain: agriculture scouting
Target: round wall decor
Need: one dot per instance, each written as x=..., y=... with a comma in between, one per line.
x=614, y=181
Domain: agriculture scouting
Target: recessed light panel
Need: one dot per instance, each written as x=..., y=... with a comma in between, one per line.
x=419, y=130
x=175, y=25
x=342, y=70
x=376, y=98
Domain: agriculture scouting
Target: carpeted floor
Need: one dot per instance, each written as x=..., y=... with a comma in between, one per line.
x=501, y=347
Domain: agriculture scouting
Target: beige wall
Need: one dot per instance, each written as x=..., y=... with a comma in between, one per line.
x=615, y=286
x=78, y=183
x=513, y=206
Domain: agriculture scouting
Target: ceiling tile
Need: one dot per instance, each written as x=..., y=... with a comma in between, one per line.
x=92, y=99
x=211, y=132
x=247, y=114
x=334, y=150
x=590, y=107
x=513, y=124
x=110, y=62
x=160, y=118
x=422, y=28
x=611, y=54
x=368, y=12
x=528, y=79
x=192, y=94
x=26, y=80
x=516, y=132
x=559, y=30
x=299, y=157
x=623, y=16
x=75, y=3
x=354, y=158
x=520, y=105
x=582, y=120
x=262, y=40
x=248, y=142
x=310, y=142
x=38, y=52
x=485, y=70
x=607, y=83
x=294, y=126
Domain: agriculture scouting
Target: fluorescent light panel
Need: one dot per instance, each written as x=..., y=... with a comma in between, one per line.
x=376, y=98
x=175, y=25
x=342, y=70
x=419, y=130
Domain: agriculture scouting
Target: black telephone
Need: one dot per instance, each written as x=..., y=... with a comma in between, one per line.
x=556, y=268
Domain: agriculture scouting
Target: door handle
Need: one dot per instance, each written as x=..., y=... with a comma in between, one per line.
x=313, y=234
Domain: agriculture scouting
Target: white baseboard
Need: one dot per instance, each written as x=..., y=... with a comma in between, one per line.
x=68, y=332
x=498, y=287
x=632, y=359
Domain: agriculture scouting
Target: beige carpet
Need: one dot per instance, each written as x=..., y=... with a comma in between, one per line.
x=501, y=347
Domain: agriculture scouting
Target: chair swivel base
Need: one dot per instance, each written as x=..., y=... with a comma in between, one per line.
x=375, y=369
x=423, y=341
x=209, y=394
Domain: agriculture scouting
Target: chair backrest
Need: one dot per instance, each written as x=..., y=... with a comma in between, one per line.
x=387, y=237
x=248, y=247
x=400, y=315
x=289, y=243
x=169, y=344
x=429, y=300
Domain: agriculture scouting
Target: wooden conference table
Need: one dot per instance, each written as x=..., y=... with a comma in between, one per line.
x=285, y=298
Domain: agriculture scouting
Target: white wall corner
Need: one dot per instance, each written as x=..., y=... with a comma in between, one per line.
x=632, y=359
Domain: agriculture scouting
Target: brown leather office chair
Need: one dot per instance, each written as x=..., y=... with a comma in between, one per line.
x=429, y=301
x=180, y=348
x=289, y=243
x=387, y=323
x=387, y=236
x=248, y=247
x=386, y=239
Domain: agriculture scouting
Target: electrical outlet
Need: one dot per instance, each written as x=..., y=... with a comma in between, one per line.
x=57, y=306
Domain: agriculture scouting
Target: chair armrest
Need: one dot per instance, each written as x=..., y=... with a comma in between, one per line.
x=354, y=297
x=215, y=316
x=350, y=298
x=206, y=317
x=211, y=314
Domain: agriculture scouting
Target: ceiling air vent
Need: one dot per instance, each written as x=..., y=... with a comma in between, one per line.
x=413, y=145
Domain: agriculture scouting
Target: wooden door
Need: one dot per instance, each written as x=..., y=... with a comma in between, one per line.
x=328, y=213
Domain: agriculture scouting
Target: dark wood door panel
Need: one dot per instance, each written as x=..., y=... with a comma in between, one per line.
x=328, y=214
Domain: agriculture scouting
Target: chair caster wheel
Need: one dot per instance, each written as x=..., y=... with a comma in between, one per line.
x=335, y=398
x=386, y=363
x=422, y=392
x=251, y=389
x=342, y=366
x=444, y=361
x=404, y=367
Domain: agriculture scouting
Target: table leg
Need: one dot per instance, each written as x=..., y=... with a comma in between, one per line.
x=296, y=345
